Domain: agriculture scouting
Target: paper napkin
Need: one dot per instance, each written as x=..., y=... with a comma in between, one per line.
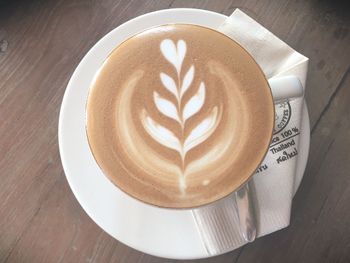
x=273, y=184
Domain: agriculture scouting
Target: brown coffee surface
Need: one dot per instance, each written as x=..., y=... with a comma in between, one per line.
x=179, y=116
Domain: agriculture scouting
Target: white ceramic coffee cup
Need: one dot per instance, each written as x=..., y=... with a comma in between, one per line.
x=282, y=89
x=161, y=232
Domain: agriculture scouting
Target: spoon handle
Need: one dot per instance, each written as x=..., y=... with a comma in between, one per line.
x=245, y=209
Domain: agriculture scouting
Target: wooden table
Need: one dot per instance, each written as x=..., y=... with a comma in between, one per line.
x=41, y=43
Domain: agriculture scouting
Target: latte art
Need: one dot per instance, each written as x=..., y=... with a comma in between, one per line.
x=180, y=112
x=179, y=116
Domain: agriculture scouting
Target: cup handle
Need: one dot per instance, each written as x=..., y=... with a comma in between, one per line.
x=285, y=88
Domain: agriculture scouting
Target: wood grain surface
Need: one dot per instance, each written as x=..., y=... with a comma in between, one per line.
x=41, y=43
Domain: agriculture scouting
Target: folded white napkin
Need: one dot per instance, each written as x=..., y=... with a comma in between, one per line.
x=273, y=184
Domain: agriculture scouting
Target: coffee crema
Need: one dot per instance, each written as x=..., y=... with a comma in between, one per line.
x=179, y=116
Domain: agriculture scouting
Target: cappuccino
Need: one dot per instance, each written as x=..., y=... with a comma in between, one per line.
x=179, y=116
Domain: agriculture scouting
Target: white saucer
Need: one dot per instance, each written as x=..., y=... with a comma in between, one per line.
x=160, y=232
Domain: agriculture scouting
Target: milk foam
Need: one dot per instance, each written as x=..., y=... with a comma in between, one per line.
x=179, y=115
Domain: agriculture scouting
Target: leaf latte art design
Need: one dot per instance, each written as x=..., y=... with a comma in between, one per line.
x=182, y=110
